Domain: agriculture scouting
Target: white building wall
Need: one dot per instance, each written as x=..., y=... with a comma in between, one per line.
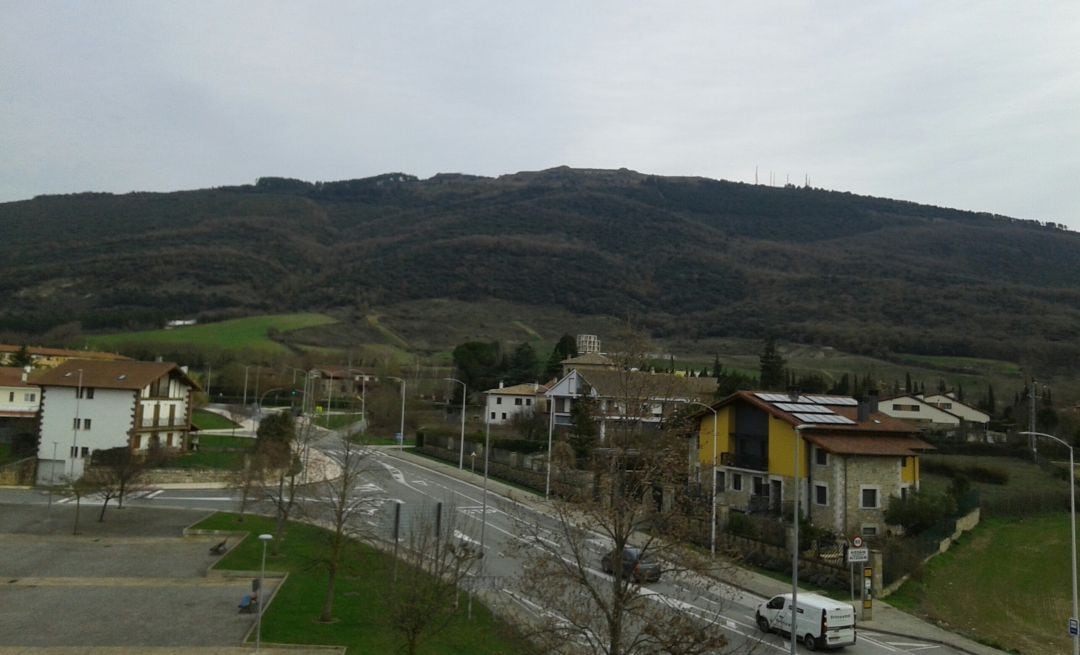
x=958, y=408
x=900, y=407
x=502, y=408
x=110, y=413
x=19, y=399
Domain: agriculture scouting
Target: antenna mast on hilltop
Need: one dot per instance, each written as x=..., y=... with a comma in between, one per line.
x=755, y=175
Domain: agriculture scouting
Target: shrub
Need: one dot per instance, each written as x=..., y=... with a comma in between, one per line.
x=919, y=511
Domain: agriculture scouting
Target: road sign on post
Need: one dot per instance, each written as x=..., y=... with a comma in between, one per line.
x=1074, y=627
x=858, y=555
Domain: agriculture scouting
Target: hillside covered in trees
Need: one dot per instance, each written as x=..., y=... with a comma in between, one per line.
x=686, y=257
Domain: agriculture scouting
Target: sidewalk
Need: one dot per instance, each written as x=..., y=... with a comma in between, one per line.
x=886, y=619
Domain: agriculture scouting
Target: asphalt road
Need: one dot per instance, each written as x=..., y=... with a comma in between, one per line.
x=390, y=483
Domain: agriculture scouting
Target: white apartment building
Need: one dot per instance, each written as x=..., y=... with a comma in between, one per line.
x=93, y=405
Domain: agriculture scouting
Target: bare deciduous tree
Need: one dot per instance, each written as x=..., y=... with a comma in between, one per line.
x=250, y=477
x=345, y=504
x=631, y=492
x=434, y=564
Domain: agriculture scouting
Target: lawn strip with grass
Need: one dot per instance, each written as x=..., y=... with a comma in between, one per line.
x=206, y=420
x=1006, y=584
x=360, y=600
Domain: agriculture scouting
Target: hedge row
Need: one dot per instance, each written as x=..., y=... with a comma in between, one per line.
x=973, y=472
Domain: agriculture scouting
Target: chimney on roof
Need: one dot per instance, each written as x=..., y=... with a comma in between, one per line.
x=25, y=373
x=500, y=384
x=159, y=359
x=868, y=405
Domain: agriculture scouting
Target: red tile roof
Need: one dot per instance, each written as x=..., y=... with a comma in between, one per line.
x=109, y=375
x=884, y=446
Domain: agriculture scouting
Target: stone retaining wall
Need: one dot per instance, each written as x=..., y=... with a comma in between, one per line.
x=19, y=473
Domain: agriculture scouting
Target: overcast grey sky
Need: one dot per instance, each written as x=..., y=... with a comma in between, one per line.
x=974, y=105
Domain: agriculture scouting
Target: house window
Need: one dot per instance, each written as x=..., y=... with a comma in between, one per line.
x=498, y=400
x=30, y=397
x=75, y=423
x=74, y=452
x=720, y=481
x=869, y=530
x=517, y=401
x=504, y=416
x=760, y=489
x=736, y=481
x=86, y=392
x=905, y=491
x=528, y=401
x=821, y=457
x=869, y=498
x=821, y=494
x=493, y=416
x=85, y=452
x=86, y=424
x=11, y=397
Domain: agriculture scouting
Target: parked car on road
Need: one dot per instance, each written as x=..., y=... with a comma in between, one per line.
x=634, y=564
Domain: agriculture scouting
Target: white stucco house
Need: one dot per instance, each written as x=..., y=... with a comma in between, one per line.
x=915, y=409
x=618, y=396
x=504, y=403
x=92, y=405
x=949, y=403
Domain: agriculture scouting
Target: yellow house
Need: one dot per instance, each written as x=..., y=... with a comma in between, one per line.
x=851, y=457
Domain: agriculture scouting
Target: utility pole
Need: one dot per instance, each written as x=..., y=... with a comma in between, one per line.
x=1031, y=420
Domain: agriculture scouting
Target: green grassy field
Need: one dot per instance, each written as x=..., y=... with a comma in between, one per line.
x=1006, y=584
x=205, y=420
x=360, y=598
x=251, y=334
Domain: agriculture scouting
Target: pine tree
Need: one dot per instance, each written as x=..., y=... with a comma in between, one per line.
x=771, y=367
x=716, y=366
x=990, y=405
x=22, y=358
x=564, y=349
x=907, y=383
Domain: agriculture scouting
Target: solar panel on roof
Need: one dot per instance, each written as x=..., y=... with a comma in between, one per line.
x=847, y=401
x=804, y=407
x=771, y=397
x=835, y=419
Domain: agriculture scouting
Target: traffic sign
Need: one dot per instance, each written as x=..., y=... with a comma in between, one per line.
x=1074, y=628
x=857, y=542
x=857, y=555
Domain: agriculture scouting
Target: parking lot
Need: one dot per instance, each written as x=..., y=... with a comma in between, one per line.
x=133, y=581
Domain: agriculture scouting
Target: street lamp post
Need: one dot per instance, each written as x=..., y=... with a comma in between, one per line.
x=464, y=390
x=259, y=404
x=75, y=427
x=551, y=436
x=796, y=511
x=265, y=538
x=712, y=530
x=1072, y=512
x=483, y=510
x=243, y=403
x=401, y=444
x=52, y=474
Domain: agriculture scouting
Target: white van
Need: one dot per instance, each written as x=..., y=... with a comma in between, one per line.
x=822, y=622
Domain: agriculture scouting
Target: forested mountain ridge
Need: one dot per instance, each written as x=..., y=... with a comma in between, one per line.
x=680, y=256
